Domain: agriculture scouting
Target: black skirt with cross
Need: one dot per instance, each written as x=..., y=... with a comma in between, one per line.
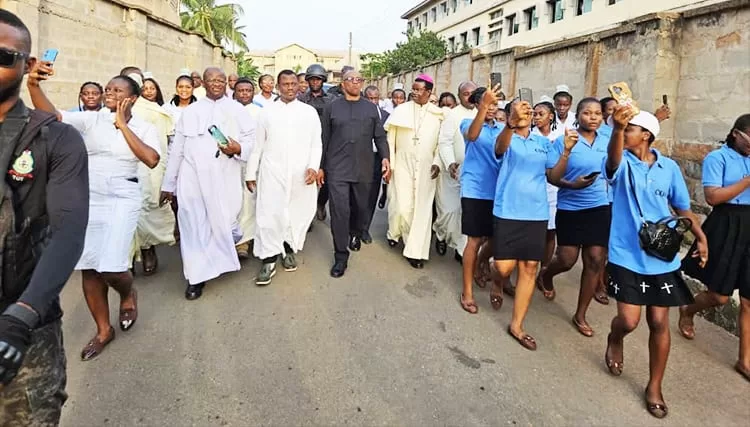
x=660, y=290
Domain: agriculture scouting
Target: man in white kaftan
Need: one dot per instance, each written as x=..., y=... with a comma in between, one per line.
x=451, y=147
x=156, y=223
x=244, y=90
x=413, y=130
x=282, y=171
x=206, y=180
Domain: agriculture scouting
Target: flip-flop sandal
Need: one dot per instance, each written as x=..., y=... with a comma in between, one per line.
x=658, y=410
x=496, y=300
x=615, y=368
x=509, y=289
x=549, y=295
x=583, y=329
x=527, y=341
x=128, y=316
x=468, y=306
x=95, y=347
x=601, y=297
x=741, y=371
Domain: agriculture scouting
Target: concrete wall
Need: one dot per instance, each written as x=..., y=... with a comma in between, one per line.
x=96, y=38
x=699, y=57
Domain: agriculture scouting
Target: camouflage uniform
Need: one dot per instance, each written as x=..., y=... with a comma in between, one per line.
x=36, y=396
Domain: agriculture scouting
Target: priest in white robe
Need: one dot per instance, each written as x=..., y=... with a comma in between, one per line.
x=205, y=177
x=451, y=147
x=413, y=131
x=282, y=170
x=244, y=91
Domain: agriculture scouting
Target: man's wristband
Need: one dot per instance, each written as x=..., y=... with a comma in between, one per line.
x=26, y=315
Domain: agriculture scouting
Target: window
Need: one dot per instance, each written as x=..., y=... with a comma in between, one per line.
x=611, y=2
x=409, y=26
x=496, y=14
x=495, y=34
x=556, y=10
x=433, y=14
x=444, y=9
x=512, y=24
x=454, y=5
x=463, y=39
x=532, y=21
x=584, y=6
x=475, y=36
x=452, y=44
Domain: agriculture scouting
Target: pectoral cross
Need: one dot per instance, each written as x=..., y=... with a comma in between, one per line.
x=415, y=139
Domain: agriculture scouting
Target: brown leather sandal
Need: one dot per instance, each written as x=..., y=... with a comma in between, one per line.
x=583, y=329
x=615, y=368
x=658, y=410
x=687, y=329
x=150, y=261
x=742, y=371
x=527, y=341
x=128, y=316
x=95, y=347
x=601, y=297
x=549, y=295
x=496, y=300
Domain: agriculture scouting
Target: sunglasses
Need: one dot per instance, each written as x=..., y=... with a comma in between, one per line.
x=8, y=58
x=354, y=79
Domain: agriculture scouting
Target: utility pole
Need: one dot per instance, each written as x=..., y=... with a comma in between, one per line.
x=350, y=49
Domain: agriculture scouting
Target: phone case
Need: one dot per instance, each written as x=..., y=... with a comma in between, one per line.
x=218, y=136
x=622, y=94
x=50, y=55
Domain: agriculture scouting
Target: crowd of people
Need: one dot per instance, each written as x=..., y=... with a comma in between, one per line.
x=224, y=165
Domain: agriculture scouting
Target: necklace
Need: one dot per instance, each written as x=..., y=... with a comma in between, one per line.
x=418, y=125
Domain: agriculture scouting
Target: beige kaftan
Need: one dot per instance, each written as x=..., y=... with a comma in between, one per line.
x=413, y=142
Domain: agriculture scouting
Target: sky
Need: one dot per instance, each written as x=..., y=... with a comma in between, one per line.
x=324, y=24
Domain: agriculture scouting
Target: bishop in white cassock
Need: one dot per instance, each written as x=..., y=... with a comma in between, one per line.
x=451, y=147
x=282, y=171
x=413, y=130
x=206, y=179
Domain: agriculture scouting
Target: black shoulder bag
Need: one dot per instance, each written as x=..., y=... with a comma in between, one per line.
x=660, y=239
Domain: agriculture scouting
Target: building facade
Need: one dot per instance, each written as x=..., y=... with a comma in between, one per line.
x=491, y=25
x=298, y=58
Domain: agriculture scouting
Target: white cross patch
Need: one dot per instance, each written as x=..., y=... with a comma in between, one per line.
x=667, y=287
x=644, y=286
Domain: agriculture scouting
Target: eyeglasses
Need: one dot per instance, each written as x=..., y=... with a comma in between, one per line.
x=354, y=79
x=8, y=58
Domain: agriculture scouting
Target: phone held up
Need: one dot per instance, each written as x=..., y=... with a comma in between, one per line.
x=525, y=94
x=496, y=79
x=49, y=56
x=664, y=99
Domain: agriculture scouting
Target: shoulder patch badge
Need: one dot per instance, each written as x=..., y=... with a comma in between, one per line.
x=23, y=166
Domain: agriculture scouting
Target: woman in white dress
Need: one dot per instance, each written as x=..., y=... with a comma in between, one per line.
x=116, y=142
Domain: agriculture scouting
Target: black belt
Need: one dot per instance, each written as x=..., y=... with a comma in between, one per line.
x=132, y=180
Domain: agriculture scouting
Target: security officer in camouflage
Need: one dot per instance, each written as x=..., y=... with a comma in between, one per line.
x=44, y=199
x=315, y=97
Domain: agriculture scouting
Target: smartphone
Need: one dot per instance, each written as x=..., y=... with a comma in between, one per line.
x=592, y=174
x=50, y=55
x=622, y=94
x=525, y=94
x=218, y=136
x=664, y=99
x=496, y=79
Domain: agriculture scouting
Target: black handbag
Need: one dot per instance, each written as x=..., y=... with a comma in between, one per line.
x=661, y=239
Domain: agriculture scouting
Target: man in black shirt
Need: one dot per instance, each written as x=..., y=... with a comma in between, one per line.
x=43, y=215
x=350, y=126
x=316, y=75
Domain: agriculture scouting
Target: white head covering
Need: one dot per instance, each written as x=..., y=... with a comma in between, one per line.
x=398, y=86
x=647, y=121
x=137, y=78
x=545, y=98
x=562, y=89
x=185, y=72
x=148, y=75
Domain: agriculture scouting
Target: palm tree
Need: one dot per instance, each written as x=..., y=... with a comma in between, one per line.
x=216, y=23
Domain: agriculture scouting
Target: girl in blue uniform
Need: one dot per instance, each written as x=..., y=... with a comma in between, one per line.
x=644, y=186
x=520, y=208
x=726, y=184
x=583, y=212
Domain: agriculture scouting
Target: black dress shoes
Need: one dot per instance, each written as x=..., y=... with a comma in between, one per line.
x=194, y=292
x=392, y=243
x=338, y=269
x=459, y=259
x=416, y=263
x=441, y=247
x=355, y=244
x=366, y=237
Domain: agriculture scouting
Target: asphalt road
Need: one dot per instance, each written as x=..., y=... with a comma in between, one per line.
x=384, y=345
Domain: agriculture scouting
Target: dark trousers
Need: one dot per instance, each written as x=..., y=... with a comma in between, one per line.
x=372, y=201
x=323, y=195
x=348, y=203
x=37, y=394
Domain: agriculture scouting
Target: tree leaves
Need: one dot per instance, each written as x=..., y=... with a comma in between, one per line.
x=419, y=49
x=218, y=24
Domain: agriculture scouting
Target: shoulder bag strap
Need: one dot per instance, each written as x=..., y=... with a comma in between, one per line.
x=632, y=186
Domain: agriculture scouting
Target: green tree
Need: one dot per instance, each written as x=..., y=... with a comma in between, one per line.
x=419, y=49
x=217, y=23
x=245, y=66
